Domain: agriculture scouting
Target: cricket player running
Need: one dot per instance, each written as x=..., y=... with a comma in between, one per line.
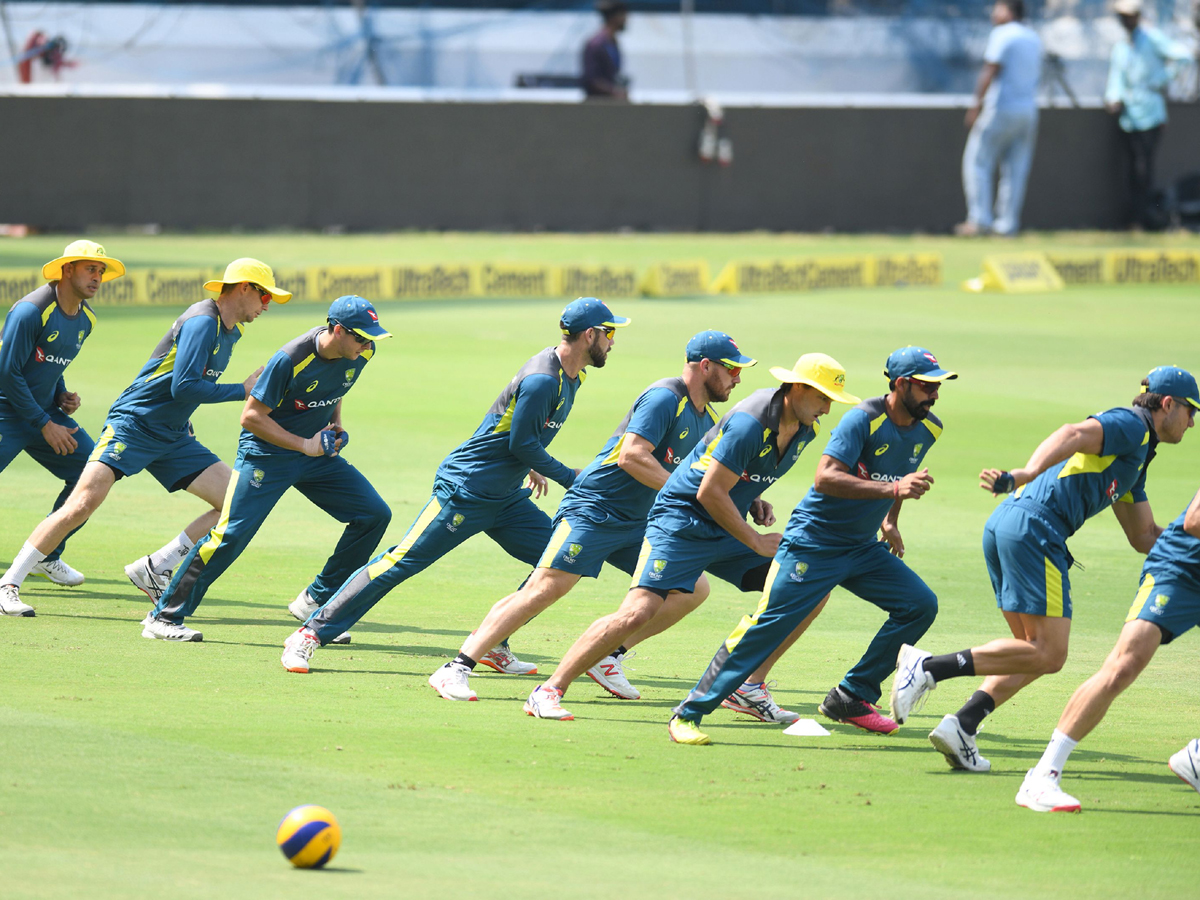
x=1075, y=473
x=43, y=333
x=602, y=518
x=870, y=466
x=292, y=436
x=1166, y=605
x=698, y=521
x=148, y=426
x=478, y=486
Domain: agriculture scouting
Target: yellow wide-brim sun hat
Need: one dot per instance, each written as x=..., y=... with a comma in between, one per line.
x=247, y=269
x=81, y=250
x=821, y=371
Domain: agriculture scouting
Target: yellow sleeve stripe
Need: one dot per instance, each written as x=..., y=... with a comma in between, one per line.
x=1085, y=463
x=304, y=362
x=368, y=353
x=705, y=461
x=877, y=422
x=935, y=430
x=49, y=309
x=166, y=366
x=91, y=316
x=615, y=454
x=679, y=408
x=505, y=423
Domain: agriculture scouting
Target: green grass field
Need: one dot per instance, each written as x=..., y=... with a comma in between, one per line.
x=139, y=769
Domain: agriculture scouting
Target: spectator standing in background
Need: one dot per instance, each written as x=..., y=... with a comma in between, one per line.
x=1003, y=121
x=602, y=57
x=1139, y=71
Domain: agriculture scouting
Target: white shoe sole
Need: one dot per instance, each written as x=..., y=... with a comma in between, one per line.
x=194, y=638
x=1029, y=803
x=23, y=614
x=56, y=581
x=295, y=667
x=445, y=696
x=633, y=693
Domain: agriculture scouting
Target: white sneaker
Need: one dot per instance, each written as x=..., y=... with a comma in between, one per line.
x=1041, y=793
x=298, y=650
x=544, y=703
x=58, y=572
x=609, y=673
x=450, y=681
x=912, y=683
x=146, y=580
x=1186, y=764
x=10, y=602
x=162, y=630
x=501, y=659
x=759, y=703
x=957, y=746
x=304, y=606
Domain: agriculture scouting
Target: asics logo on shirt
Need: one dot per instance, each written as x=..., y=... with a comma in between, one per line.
x=51, y=336
x=765, y=451
x=882, y=450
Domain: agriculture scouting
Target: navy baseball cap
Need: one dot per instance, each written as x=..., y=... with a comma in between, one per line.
x=916, y=362
x=719, y=347
x=357, y=314
x=1172, y=381
x=588, y=312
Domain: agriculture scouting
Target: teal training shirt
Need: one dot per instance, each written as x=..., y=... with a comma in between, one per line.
x=302, y=389
x=39, y=341
x=182, y=373
x=746, y=441
x=874, y=448
x=1076, y=489
x=664, y=415
x=515, y=432
x=1178, y=550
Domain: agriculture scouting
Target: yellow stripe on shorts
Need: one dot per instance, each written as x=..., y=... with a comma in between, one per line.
x=218, y=533
x=749, y=621
x=1054, y=597
x=105, y=437
x=1143, y=595
x=561, y=533
x=643, y=558
x=393, y=556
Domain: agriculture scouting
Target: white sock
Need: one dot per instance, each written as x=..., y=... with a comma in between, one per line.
x=1056, y=754
x=164, y=560
x=29, y=557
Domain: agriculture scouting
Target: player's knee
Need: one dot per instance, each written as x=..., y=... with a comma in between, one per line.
x=1053, y=659
x=378, y=514
x=78, y=508
x=924, y=606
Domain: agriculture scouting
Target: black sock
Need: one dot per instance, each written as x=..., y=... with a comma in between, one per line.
x=621, y=651
x=975, y=710
x=950, y=665
x=463, y=660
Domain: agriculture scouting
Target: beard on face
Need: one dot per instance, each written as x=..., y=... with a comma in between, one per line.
x=597, y=355
x=717, y=391
x=916, y=408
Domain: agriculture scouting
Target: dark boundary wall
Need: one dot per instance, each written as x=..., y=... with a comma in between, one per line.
x=69, y=163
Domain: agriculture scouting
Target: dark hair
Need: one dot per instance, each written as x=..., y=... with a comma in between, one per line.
x=610, y=9
x=569, y=337
x=226, y=288
x=892, y=384
x=1016, y=7
x=1147, y=399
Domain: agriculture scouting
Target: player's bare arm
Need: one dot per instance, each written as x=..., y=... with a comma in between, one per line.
x=1137, y=521
x=835, y=479
x=637, y=458
x=1080, y=437
x=714, y=497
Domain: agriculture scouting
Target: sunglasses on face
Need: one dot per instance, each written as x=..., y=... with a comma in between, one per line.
x=608, y=332
x=266, y=295
x=363, y=341
x=733, y=370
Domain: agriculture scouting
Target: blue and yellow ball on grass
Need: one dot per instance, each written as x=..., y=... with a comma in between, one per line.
x=309, y=836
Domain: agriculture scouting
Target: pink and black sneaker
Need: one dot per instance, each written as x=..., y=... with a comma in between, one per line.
x=844, y=707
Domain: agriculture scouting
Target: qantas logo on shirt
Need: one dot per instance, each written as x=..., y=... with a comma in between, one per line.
x=1112, y=491
x=214, y=373
x=876, y=476
x=550, y=423
x=760, y=479
x=671, y=459
x=42, y=356
x=316, y=404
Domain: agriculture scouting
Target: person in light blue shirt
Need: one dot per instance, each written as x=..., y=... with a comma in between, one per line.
x=1003, y=121
x=1139, y=71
